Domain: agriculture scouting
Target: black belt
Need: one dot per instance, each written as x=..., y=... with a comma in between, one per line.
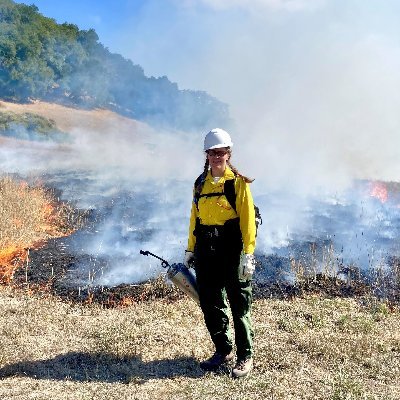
x=209, y=231
x=217, y=231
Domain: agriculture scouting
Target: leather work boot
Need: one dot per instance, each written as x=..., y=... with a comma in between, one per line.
x=216, y=361
x=242, y=368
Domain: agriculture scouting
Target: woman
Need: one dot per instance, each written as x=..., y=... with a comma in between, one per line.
x=221, y=245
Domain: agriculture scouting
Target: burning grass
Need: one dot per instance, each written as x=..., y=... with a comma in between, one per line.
x=29, y=215
x=55, y=269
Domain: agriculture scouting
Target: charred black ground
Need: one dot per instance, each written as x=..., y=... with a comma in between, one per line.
x=53, y=270
x=58, y=269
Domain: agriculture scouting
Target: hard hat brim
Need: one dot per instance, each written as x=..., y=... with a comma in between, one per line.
x=219, y=146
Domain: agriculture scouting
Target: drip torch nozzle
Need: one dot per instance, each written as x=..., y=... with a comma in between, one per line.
x=164, y=263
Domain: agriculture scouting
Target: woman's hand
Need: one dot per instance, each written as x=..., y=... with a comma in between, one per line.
x=189, y=259
x=247, y=266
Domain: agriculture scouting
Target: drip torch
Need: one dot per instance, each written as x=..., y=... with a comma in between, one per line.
x=179, y=275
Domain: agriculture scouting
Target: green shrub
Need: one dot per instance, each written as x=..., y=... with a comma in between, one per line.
x=30, y=126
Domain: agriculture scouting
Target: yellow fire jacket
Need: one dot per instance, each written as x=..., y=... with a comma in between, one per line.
x=216, y=210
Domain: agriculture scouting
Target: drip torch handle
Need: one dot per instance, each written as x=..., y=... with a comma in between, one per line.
x=164, y=263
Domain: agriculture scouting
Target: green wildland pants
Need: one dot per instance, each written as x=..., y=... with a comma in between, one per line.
x=217, y=273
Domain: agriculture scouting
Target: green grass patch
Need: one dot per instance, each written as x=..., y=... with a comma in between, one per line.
x=29, y=126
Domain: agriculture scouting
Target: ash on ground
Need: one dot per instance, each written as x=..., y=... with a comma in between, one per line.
x=55, y=270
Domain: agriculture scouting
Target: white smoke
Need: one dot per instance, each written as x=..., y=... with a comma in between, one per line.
x=139, y=184
x=334, y=122
x=310, y=84
x=313, y=95
x=312, y=89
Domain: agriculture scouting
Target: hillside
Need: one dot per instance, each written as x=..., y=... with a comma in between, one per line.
x=69, y=118
x=43, y=60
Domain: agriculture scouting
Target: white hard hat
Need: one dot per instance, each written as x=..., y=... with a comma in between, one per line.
x=217, y=138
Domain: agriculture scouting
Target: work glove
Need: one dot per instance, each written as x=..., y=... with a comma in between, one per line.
x=189, y=259
x=247, y=266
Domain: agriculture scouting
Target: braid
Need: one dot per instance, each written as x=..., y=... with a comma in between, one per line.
x=199, y=187
x=237, y=173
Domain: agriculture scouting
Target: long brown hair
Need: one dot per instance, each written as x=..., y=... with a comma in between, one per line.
x=235, y=171
x=199, y=186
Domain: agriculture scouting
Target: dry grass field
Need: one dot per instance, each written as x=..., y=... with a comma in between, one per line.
x=28, y=216
x=69, y=118
x=307, y=348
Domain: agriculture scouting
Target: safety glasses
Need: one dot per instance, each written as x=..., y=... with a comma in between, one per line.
x=217, y=153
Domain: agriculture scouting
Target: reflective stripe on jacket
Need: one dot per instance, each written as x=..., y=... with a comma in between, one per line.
x=216, y=210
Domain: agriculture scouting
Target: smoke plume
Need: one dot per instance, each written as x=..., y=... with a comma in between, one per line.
x=311, y=89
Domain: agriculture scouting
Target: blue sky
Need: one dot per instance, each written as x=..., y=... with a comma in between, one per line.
x=297, y=74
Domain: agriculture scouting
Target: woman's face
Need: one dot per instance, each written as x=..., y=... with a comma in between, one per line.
x=217, y=159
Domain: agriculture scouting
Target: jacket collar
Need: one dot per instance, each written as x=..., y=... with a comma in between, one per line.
x=228, y=174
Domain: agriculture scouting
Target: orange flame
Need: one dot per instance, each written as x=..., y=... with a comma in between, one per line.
x=11, y=258
x=14, y=253
x=379, y=191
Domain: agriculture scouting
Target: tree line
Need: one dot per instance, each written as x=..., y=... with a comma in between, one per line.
x=41, y=59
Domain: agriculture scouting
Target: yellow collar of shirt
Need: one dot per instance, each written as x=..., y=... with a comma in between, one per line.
x=228, y=174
